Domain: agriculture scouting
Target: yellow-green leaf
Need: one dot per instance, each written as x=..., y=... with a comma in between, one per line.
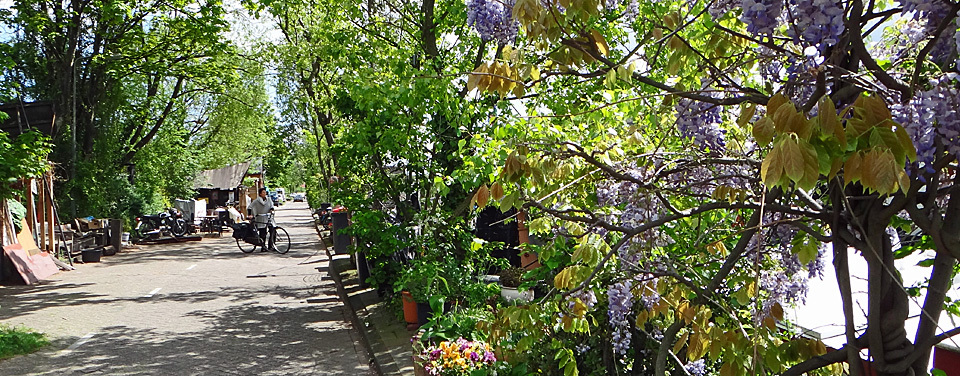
x=792, y=159
x=763, y=131
x=876, y=110
x=852, y=168
x=811, y=166
x=600, y=42
x=676, y=43
x=680, y=343
x=624, y=73
x=519, y=90
x=772, y=167
x=562, y=280
x=886, y=173
x=869, y=168
x=784, y=117
x=727, y=369
x=746, y=114
x=611, y=79
x=797, y=123
x=539, y=225
x=774, y=103
x=903, y=181
x=472, y=81
x=827, y=116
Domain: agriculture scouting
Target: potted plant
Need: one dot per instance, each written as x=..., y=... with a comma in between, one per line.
x=424, y=282
x=510, y=279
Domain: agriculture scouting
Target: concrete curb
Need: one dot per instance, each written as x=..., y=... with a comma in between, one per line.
x=334, y=268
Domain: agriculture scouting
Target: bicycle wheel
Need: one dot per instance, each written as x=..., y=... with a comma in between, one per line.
x=282, y=241
x=246, y=247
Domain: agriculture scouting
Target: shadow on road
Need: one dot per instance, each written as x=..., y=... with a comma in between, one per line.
x=244, y=340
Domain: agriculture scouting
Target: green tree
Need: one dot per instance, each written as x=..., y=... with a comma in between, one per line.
x=120, y=73
x=696, y=156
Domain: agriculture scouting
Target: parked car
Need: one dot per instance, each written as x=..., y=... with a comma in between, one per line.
x=299, y=197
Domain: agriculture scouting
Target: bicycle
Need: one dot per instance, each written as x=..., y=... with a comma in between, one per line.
x=248, y=237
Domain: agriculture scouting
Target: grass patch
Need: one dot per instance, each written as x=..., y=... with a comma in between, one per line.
x=17, y=341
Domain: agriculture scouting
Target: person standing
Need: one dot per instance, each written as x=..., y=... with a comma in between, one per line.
x=263, y=205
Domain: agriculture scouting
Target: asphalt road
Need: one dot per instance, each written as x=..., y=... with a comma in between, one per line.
x=193, y=308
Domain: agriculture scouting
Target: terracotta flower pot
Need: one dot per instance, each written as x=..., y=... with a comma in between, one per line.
x=409, y=308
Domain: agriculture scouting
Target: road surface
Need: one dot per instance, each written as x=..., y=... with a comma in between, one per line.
x=193, y=308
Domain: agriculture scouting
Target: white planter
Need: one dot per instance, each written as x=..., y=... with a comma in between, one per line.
x=511, y=294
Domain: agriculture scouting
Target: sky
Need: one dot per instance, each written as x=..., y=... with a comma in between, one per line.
x=823, y=311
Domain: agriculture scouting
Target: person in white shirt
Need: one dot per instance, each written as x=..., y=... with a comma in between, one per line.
x=263, y=205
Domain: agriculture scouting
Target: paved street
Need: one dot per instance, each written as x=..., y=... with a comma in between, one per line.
x=195, y=308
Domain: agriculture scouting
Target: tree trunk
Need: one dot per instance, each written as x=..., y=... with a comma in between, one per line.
x=888, y=304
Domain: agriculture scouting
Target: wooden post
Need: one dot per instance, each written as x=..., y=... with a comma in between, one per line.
x=31, y=207
x=41, y=213
x=524, y=233
x=51, y=221
x=528, y=260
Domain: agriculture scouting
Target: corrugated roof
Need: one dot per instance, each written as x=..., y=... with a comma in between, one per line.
x=228, y=177
x=31, y=115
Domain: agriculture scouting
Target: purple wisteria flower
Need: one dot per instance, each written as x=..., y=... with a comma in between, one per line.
x=932, y=115
x=761, y=16
x=817, y=23
x=696, y=368
x=493, y=19
x=700, y=121
x=621, y=303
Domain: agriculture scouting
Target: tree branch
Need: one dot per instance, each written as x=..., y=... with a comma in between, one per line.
x=922, y=55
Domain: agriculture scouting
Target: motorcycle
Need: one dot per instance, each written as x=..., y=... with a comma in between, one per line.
x=324, y=215
x=170, y=220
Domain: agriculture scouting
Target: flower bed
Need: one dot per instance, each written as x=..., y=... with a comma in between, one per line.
x=460, y=357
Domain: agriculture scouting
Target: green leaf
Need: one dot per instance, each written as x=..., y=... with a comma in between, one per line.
x=575, y=229
x=539, y=225
x=477, y=244
x=806, y=251
x=611, y=79
x=905, y=142
x=743, y=296
x=509, y=201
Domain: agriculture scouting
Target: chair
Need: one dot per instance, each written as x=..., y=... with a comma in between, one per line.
x=223, y=219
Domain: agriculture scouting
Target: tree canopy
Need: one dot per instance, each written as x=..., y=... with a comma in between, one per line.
x=685, y=167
